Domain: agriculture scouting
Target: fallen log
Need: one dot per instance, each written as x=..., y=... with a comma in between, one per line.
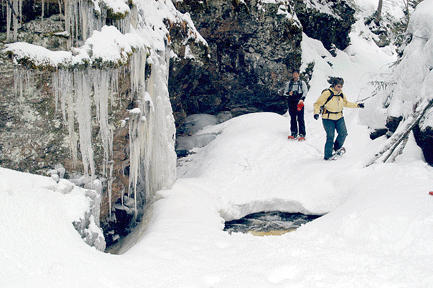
x=400, y=136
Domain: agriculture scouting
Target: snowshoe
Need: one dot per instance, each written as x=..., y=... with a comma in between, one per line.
x=301, y=138
x=333, y=157
x=336, y=154
x=340, y=151
x=291, y=137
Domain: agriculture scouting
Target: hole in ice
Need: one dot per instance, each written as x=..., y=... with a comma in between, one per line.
x=268, y=223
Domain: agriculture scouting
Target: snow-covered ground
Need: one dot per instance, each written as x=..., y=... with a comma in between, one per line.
x=376, y=231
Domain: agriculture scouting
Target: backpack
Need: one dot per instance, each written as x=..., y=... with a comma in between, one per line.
x=299, y=86
x=322, y=108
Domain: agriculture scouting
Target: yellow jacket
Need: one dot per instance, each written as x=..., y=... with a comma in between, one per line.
x=335, y=105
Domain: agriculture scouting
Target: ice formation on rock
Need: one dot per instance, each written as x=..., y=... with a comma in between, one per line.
x=85, y=86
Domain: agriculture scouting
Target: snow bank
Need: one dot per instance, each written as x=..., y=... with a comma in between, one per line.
x=49, y=206
x=380, y=216
x=412, y=81
x=105, y=47
x=192, y=135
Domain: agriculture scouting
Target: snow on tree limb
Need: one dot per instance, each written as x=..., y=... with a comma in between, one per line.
x=400, y=136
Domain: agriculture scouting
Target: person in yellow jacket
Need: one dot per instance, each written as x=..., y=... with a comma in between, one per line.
x=332, y=102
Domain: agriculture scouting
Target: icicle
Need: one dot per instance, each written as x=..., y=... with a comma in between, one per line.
x=124, y=25
x=63, y=90
x=8, y=22
x=134, y=16
x=15, y=20
x=114, y=84
x=104, y=85
x=135, y=127
x=83, y=12
x=16, y=78
x=21, y=77
x=160, y=156
x=96, y=77
x=43, y=12
x=68, y=23
x=149, y=131
x=137, y=74
x=101, y=86
x=68, y=76
x=76, y=15
x=21, y=11
x=110, y=186
x=82, y=91
x=65, y=82
x=56, y=91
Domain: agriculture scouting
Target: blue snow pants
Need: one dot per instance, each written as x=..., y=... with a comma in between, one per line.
x=330, y=127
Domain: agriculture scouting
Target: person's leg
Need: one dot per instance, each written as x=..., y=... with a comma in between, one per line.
x=301, y=122
x=340, y=126
x=329, y=126
x=293, y=122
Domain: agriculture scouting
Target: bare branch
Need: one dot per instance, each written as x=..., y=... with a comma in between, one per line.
x=398, y=137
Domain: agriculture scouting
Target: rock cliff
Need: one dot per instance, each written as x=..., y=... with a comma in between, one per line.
x=253, y=47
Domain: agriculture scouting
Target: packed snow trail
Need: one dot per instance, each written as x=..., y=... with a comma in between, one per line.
x=251, y=167
x=256, y=143
x=376, y=233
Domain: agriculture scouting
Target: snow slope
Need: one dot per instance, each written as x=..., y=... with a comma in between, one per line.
x=375, y=233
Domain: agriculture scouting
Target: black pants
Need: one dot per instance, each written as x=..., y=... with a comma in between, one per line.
x=296, y=117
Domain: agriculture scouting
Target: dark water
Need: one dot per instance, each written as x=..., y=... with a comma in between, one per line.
x=268, y=223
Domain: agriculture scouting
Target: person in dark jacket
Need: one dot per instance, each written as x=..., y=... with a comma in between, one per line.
x=296, y=90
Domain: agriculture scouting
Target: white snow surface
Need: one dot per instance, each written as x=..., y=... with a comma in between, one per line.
x=107, y=45
x=414, y=74
x=376, y=232
x=410, y=85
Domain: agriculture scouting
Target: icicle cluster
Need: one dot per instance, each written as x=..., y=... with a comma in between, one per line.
x=151, y=126
x=14, y=13
x=85, y=85
x=82, y=17
x=63, y=84
x=73, y=88
x=80, y=20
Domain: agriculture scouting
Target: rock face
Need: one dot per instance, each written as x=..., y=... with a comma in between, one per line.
x=424, y=139
x=33, y=137
x=330, y=28
x=253, y=47
x=45, y=107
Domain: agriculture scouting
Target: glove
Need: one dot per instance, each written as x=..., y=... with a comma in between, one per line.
x=300, y=106
x=316, y=116
x=361, y=105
